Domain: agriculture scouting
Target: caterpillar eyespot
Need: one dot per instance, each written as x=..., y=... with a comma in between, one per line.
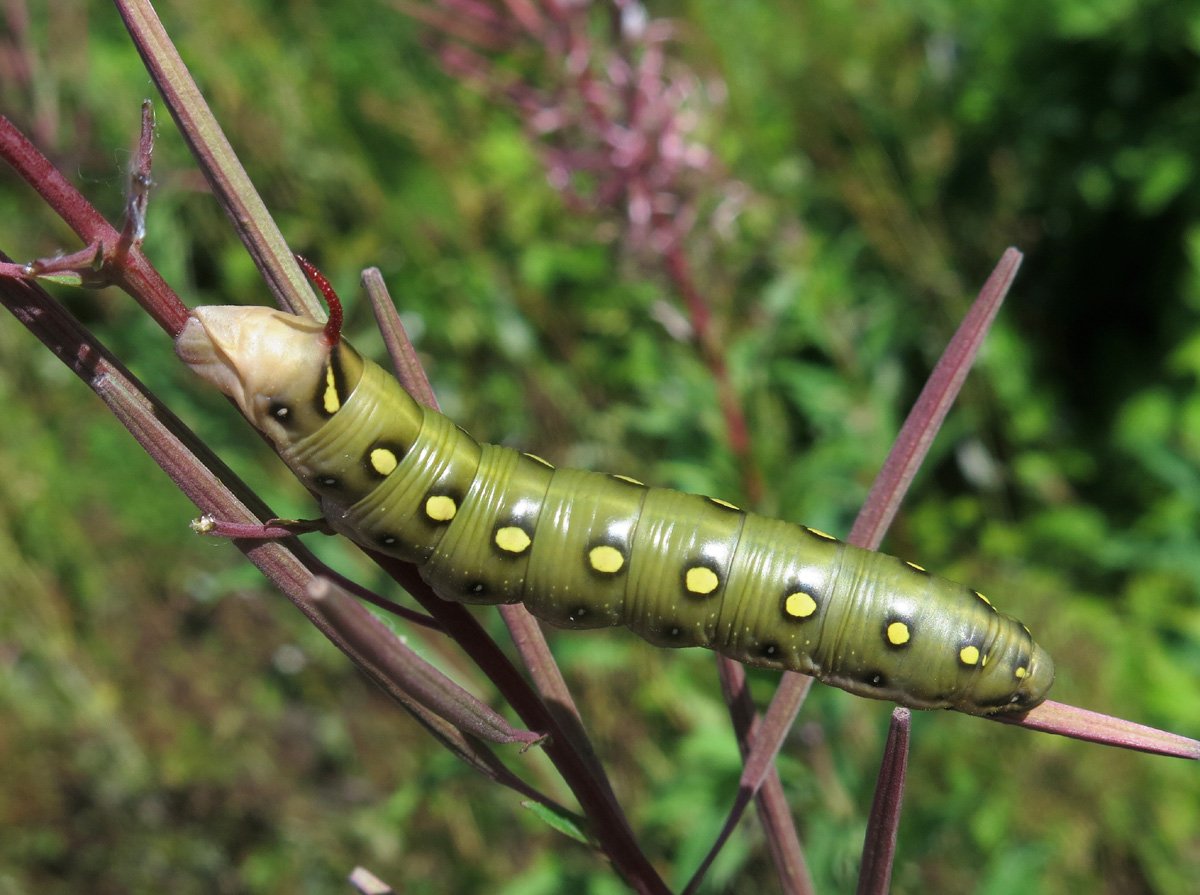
x=401, y=478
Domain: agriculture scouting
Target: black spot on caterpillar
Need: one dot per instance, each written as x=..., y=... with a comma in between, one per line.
x=488, y=524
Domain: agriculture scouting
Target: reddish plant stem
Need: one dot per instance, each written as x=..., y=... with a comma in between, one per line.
x=713, y=356
x=879, y=845
x=135, y=274
x=929, y=412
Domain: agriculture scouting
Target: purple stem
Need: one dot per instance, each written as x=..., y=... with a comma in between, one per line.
x=879, y=845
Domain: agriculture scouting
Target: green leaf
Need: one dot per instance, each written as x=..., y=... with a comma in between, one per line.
x=569, y=824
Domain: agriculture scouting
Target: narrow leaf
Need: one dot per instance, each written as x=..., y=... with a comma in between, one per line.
x=1095, y=727
x=907, y=453
x=879, y=845
x=216, y=158
x=568, y=823
x=404, y=675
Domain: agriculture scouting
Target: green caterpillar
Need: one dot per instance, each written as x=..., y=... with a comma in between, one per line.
x=488, y=524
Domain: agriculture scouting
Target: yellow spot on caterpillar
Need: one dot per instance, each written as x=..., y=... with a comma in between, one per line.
x=821, y=534
x=383, y=461
x=969, y=655
x=606, y=559
x=701, y=580
x=440, y=508
x=512, y=539
x=330, y=399
x=985, y=599
x=625, y=478
x=799, y=604
x=724, y=503
x=985, y=660
x=913, y=565
x=538, y=459
x=897, y=634
x=1021, y=672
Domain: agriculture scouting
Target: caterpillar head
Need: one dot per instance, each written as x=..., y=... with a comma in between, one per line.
x=282, y=370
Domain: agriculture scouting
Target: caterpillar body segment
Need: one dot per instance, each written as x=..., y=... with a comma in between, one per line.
x=488, y=524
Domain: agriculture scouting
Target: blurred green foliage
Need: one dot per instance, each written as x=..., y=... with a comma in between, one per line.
x=168, y=723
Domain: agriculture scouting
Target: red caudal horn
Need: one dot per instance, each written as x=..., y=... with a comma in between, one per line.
x=333, y=326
